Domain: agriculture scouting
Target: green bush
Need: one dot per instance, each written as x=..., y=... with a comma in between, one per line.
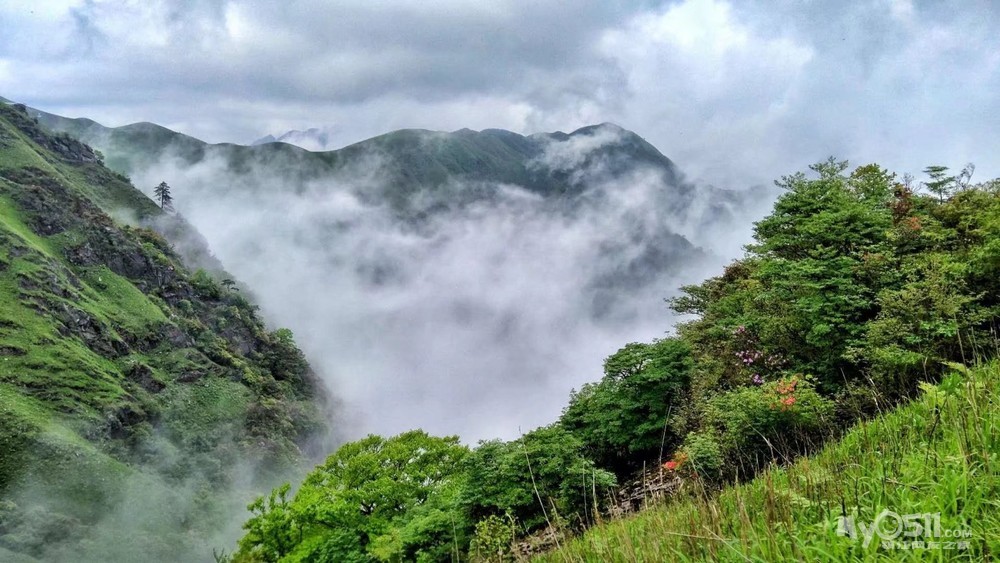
x=770, y=421
x=205, y=286
x=533, y=478
x=702, y=452
x=493, y=538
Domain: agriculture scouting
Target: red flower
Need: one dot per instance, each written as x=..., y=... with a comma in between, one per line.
x=788, y=401
x=671, y=465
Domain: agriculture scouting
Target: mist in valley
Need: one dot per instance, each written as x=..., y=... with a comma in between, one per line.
x=470, y=315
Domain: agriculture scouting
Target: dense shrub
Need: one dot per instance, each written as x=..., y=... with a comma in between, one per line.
x=769, y=421
x=534, y=478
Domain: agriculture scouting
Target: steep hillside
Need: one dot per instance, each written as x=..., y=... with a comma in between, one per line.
x=932, y=462
x=135, y=394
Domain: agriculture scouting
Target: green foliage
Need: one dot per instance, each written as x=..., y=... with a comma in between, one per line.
x=376, y=498
x=272, y=530
x=625, y=418
x=935, y=455
x=703, y=453
x=205, y=285
x=492, y=540
x=813, y=297
x=940, y=183
x=770, y=421
x=284, y=359
x=163, y=197
x=534, y=478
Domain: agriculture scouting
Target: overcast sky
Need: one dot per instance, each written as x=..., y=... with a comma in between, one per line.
x=736, y=94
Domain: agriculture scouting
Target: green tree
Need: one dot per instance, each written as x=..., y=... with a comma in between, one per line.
x=163, y=197
x=940, y=183
x=272, y=530
x=624, y=420
x=809, y=288
x=542, y=476
x=375, y=498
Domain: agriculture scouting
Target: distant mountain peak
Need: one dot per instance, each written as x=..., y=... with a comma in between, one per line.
x=316, y=139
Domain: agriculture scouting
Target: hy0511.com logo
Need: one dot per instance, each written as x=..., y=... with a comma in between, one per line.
x=904, y=531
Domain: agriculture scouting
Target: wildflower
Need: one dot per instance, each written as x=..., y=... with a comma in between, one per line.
x=757, y=379
x=787, y=387
x=788, y=401
x=671, y=465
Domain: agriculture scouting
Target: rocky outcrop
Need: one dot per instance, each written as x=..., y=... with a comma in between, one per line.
x=66, y=147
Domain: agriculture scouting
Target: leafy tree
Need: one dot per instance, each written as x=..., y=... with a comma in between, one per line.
x=272, y=530
x=162, y=193
x=536, y=478
x=807, y=287
x=940, y=184
x=284, y=358
x=623, y=420
x=374, y=498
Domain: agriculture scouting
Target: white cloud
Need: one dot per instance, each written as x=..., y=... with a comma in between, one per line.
x=735, y=92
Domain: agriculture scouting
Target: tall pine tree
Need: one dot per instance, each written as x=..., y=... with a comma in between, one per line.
x=162, y=193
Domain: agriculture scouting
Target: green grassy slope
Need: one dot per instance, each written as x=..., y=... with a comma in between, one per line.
x=122, y=370
x=937, y=455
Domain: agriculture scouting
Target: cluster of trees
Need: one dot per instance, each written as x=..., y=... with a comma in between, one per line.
x=857, y=287
x=415, y=497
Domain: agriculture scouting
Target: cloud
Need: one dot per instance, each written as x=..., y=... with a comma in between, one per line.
x=719, y=85
x=477, y=319
x=735, y=92
x=569, y=154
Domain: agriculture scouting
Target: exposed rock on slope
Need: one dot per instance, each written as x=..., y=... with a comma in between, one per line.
x=123, y=370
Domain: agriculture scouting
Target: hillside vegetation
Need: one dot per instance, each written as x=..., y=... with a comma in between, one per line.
x=135, y=394
x=935, y=456
x=859, y=291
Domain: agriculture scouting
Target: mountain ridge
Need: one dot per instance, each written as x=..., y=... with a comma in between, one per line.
x=491, y=154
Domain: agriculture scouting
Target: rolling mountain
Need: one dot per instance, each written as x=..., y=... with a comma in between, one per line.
x=397, y=166
x=141, y=402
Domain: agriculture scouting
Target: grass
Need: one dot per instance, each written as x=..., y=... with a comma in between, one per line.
x=939, y=454
x=207, y=408
x=33, y=354
x=120, y=302
x=102, y=403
